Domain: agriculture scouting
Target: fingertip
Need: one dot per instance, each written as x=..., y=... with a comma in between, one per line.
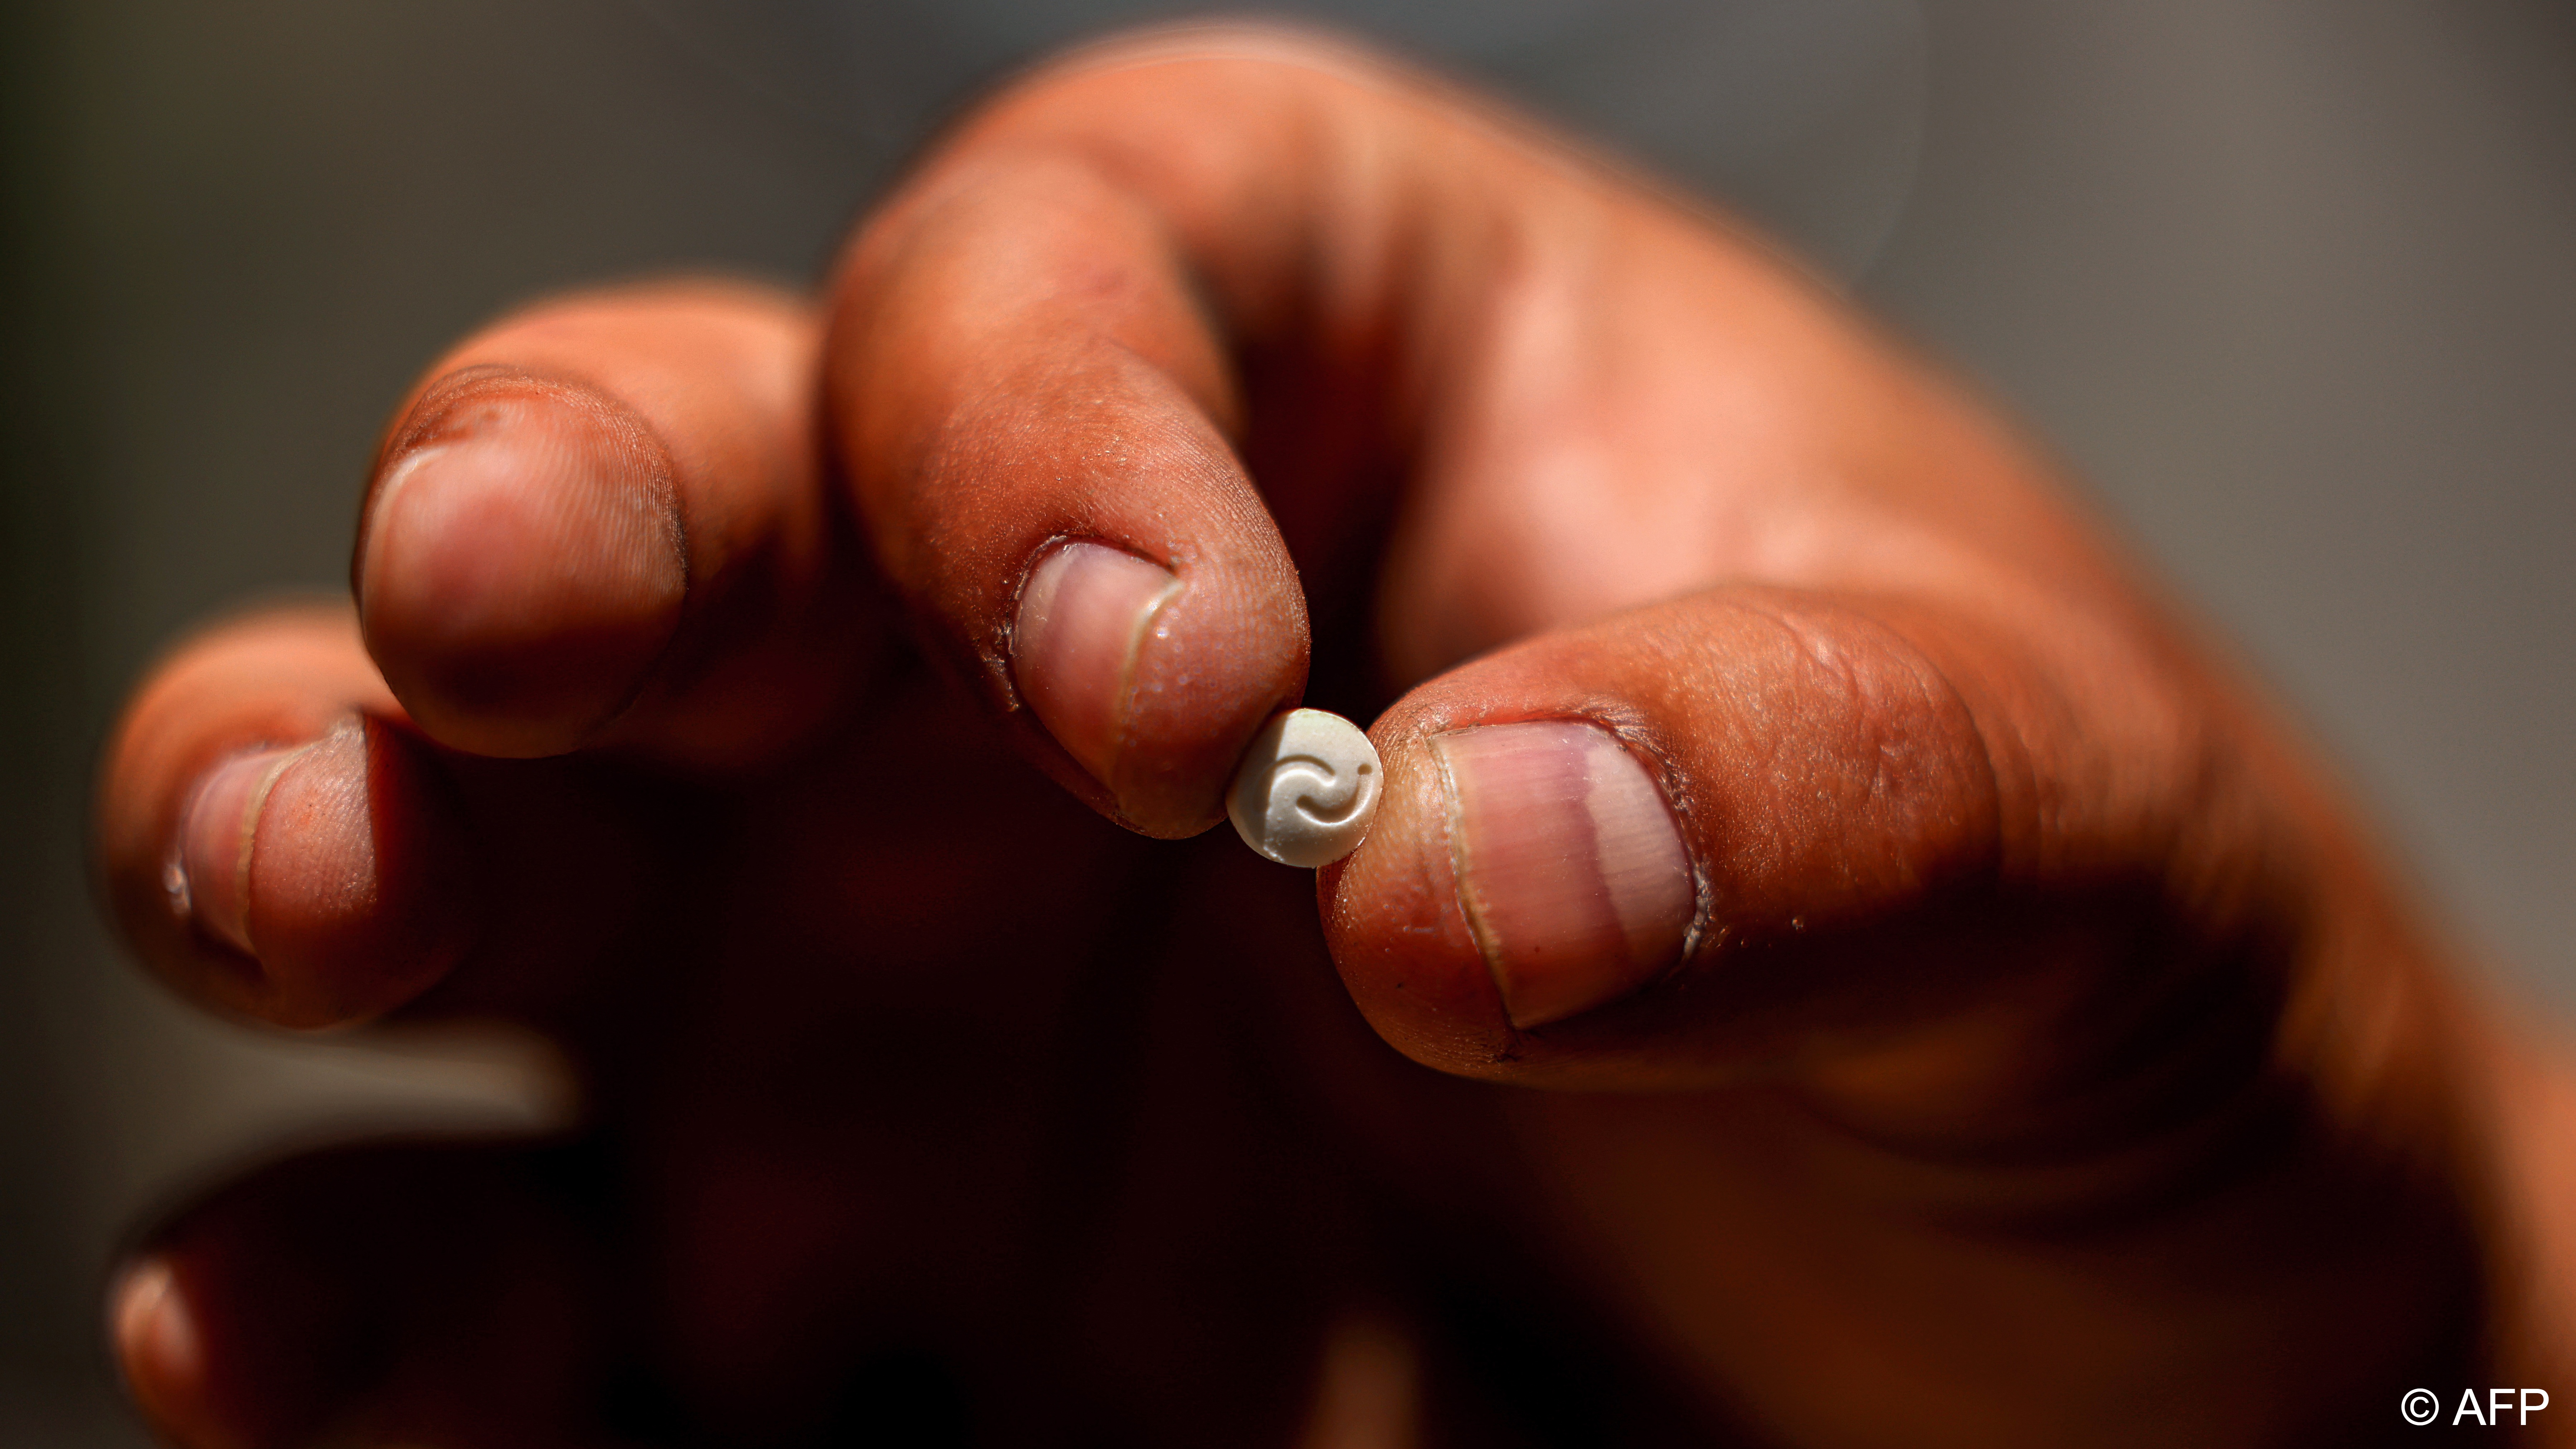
x=1151, y=680
x=336, y=874
x=520, y=567
x=1522, y=872
x=305, y=1302
x=1223, y=655
x=161, y=1353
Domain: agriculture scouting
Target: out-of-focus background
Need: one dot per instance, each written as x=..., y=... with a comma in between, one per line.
x=2290, y=283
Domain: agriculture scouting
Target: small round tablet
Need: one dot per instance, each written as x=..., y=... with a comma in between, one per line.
x=1307, y=789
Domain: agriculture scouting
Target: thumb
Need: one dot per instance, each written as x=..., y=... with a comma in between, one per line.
x=2008, y=994
x=1754, y=828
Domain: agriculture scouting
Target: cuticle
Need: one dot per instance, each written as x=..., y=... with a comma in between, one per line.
x=1450, y=836
x=1003, y=660
x=1668, y=784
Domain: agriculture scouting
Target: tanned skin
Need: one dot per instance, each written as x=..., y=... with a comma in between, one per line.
x=2047, y=1060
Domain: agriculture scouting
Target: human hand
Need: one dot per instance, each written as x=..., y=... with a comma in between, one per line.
x=1972, y=1021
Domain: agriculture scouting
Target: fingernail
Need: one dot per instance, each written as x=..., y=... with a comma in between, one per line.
x=1084, y=615
x=1573, y=876
x=210, y=875
x=156, y=1343
x=341, y=867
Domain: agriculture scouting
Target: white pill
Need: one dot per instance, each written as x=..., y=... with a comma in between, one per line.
x=1307, y=789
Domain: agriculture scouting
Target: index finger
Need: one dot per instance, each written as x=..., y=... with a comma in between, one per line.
x=1057, y=359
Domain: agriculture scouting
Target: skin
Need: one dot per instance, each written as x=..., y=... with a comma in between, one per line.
x=2051, y=1061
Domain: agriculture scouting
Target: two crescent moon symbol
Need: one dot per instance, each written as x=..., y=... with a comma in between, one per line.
x=1353, y=797
x=1307, y=789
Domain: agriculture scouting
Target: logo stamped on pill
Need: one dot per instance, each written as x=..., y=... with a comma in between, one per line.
x=1307, y=789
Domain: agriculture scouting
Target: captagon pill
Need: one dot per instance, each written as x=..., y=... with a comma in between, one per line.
x=1307, y=789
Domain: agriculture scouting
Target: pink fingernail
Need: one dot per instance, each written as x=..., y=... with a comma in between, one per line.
x=210, y=875
x=1083, y=618
x=1572, y=873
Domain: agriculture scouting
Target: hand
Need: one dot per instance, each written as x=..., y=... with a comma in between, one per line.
x=1861, y=974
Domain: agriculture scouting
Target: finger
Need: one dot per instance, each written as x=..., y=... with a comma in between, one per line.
x=264, y=821
x=600, y=523
x=1046, y=374
x=1148, y=276
x=1045, y=475
x=278, y=842
x=414, y=1294
x=1743, y=831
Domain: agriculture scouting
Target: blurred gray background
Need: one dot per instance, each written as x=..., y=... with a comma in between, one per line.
x=2290, y=283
